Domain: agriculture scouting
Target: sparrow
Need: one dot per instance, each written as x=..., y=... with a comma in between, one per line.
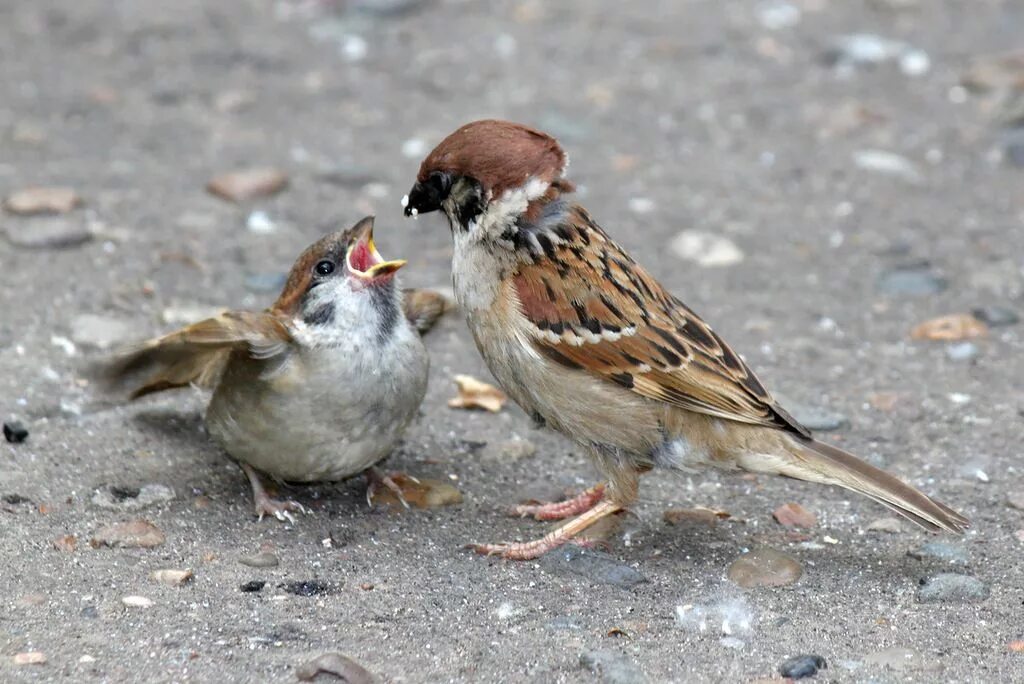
x=320, y=386
x=586, y=341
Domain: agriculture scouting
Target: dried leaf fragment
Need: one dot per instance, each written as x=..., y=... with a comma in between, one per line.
x=41, y=200
x=67, y=543
x=474, y=394
x=132, y=534
x=794, y=515
x=172, y=578
x=246, y=184
x=950, y=328
x=421, y=493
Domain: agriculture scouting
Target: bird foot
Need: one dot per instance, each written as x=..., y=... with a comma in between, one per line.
x=559, y=510
x=282, y=510
x=564, y=534
x=375, y=480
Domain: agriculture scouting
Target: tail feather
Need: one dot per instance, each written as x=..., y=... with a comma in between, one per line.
x=825, y=463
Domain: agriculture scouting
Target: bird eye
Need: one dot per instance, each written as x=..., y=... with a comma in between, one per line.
x=325, y=268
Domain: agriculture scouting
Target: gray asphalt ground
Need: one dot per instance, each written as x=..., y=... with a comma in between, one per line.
x=678, y=116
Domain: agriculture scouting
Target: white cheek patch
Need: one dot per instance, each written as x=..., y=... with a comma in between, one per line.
x=405, y=201
x=503, y=212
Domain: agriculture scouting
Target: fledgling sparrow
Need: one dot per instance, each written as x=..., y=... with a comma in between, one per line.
x=585, y=340
x=320, y=386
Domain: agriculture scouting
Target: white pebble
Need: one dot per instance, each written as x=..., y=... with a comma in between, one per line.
x=354, y=48
x=137, y=601
x=413, y=148
x=405, y=201
x=959, y=398
x=64, y=343
x=259, y=222
x=641, y=205
x=707, y=249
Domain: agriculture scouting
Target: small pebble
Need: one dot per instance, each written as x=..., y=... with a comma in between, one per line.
x=1016, y=500
x=137, y=601
x=172, y=578
x=259, y=222
x=996, y=316
x=133, y=534
x=941, y=551
x=339, y=666
x=764, y=567
x=49, y=234
x=951, y=587
x=259, y=560
x=801, y=666
x=888, y=163
x=794, y=515
x=912, y=281
x=596, y=566
x=510, y=450
x=67, y=543
x=641, y=205
x=34, y=201
x=246, y=184
x=30, y=658
x=15, y=432
x=252, y=586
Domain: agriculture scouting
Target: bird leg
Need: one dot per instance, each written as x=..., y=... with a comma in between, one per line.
x=376, y=479
x=557, y=537
x=264, y=503
x=559, y=510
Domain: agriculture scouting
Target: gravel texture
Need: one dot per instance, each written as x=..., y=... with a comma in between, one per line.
x=843, y=190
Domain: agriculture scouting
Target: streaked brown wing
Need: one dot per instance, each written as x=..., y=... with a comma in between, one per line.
x=196, y=354
x=595, y=309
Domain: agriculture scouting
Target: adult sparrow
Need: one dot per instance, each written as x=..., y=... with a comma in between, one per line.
x=585, y=340
x=318, y=387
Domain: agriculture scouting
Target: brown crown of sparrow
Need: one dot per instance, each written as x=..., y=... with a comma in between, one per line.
x=320, y=386
x=585, y=340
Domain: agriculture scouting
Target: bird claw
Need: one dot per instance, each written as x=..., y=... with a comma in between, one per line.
x=375, y=480
x=282, y=510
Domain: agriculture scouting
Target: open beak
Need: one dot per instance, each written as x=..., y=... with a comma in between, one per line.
x=362, y=258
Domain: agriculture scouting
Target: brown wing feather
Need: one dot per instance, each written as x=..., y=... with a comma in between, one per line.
x=594, y=308
x=196, y=354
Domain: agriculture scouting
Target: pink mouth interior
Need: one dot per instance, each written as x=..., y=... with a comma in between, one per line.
x=361, y=258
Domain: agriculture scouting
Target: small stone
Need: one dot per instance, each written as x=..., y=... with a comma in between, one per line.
x=764, y=568
x=777, y=14
x=30, y=658
x=887, y=525
x=340, y=666
x=950, y=587
x=49, y=234
x=596, y=566
x=117, y=498
x=134, y=534
x=15, y=499
x=890, y=164
x=252, y=586
x=1016, y=500
x=706, y=249
x=699, y=515
x=801, y=666
x=308, y=587
x=794, y=515
x=259, y=222
x=996, y=316
x=912, y=281
x=420, y=493
x=15, y=432
x=137, y=601
x=172, y=578
x=366, y=586
x=265, y=282
x=1016, y=646
x=414, y=148
x=962, y=351
x=940, y=551
x=612, y=667
x=562, y=623
x=34, y=201
x=952, y=328
x=1000, y=72
x=259, y=560
x=68, y=543
x=510, y=450
x=100, y=332
x=247, y=184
